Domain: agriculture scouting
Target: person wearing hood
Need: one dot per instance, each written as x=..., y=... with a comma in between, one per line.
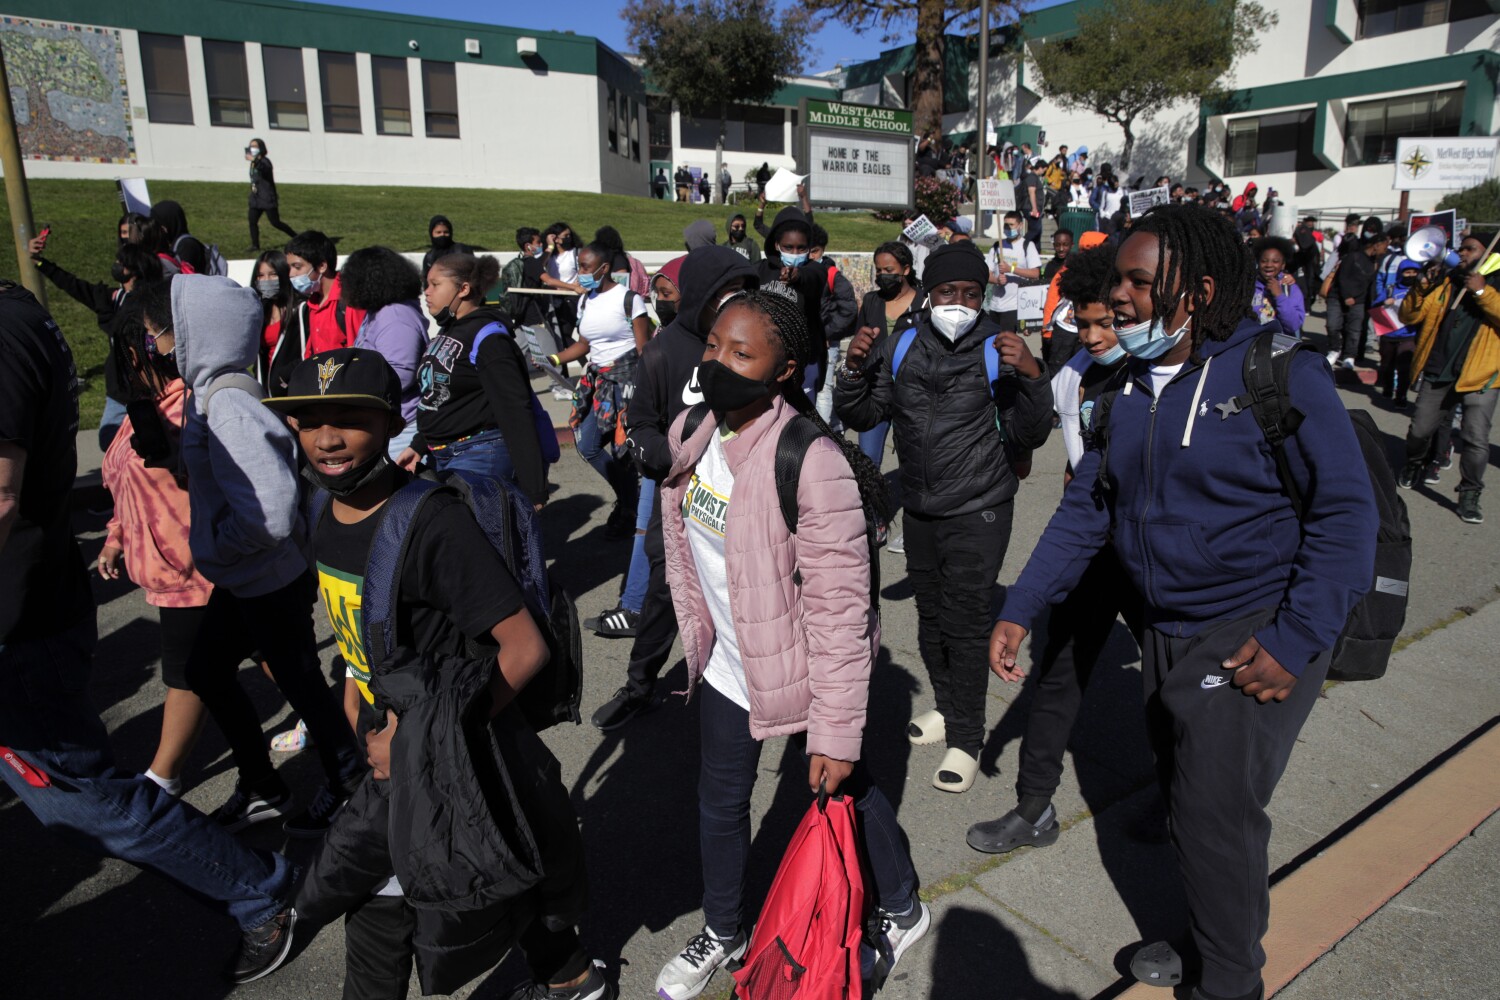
x=1245, y=593
x=327, y=322
x=1277, y=294
x=475, y=410
x=739, y=238
x=248, y=539
x=1078, y=161
x=176, y=245
x=666, y=383
x=699, y=233
x=440, y=235
x=1246, y=214
x=1396, y=346
x=263, y=197
x=958, y=439
x=762, y=178
x=788, y=259
x=386, y=286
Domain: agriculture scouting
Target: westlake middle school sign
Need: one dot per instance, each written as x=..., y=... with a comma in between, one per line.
x=856, y=156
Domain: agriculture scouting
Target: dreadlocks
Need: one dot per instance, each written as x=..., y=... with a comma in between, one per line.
x=788, y=326
x=1194, y=243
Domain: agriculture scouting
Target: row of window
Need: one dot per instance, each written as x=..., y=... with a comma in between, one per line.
x=1283, y=142
x=623, y=116
x=1386, y=17
x=169, y=97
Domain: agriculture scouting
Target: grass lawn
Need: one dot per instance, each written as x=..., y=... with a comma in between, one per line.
x=83, y=215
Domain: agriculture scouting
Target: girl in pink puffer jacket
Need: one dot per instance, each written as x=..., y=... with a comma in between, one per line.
x=780, y=631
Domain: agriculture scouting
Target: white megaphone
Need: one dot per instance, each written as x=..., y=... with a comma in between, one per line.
x=1427, y=244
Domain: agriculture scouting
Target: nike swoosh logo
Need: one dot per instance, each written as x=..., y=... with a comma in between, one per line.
x=1214, y=680
x=692, y=394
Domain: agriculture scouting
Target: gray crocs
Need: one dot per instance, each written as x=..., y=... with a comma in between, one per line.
x=1011, y=831
x=1157, y=964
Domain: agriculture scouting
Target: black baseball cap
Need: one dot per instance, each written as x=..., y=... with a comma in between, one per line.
x=349, y=376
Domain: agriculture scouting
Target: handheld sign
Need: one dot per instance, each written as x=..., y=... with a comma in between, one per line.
x=1140, y=201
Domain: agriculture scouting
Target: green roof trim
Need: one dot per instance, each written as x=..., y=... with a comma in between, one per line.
x=328, y=28
x=1331, y=19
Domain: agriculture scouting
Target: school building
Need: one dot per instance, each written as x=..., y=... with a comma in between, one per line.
x=104, y=89
x=1314, y=111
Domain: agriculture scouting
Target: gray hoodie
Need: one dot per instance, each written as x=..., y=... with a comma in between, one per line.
x=247, y=532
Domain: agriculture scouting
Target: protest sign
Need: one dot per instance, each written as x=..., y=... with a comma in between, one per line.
x=1142, y=200
x=997, y=196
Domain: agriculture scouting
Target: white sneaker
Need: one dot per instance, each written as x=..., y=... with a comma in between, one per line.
x=897, y=545
x=688, y=974
x=1333, y=357
x=896, y=936
x=1347, y=363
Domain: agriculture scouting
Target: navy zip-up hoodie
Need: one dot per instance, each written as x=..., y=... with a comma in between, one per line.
x=1197, y=514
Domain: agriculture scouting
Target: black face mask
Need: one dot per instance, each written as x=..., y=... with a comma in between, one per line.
x=666, y=312
x=117, y=271
x=888, y=286
x=442, y=242
x=444, y=316
x=726, y=390
x=346, y=483
x=735, y=235
x=567, y=242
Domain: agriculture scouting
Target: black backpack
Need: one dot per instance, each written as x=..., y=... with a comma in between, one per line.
x=791, y=450
x=1369, y=635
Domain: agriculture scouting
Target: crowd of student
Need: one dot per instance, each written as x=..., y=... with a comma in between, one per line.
x=269, y=446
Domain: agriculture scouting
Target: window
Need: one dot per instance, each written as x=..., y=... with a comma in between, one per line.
x=228, y=84
x=164, y=65
x=1386, y=17
x=635, y=130
x=659, y=127
x=1372, y=128
x=750, y=129
x=1270, y=144
x=340, y=78
x=392, y=96
x=611, y=126
x=440, y=95
x=286, y=87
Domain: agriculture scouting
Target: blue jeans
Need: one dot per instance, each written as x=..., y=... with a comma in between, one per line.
x=484, y=453
x=617, y=469
x=872, y=441
x=638, y=577
x=726, y=775
x=110, y=421
x=46, y=719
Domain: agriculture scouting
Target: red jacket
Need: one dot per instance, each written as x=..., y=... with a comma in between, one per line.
x=324, y=333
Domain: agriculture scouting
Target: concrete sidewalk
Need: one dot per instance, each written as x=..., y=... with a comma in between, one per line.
x=1042, y=924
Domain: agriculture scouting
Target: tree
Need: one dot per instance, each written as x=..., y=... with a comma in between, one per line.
x=934, y=18
x=1134, y=57
x=707, y=54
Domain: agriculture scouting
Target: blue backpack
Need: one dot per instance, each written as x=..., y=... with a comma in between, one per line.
x=509, y=521
x=545, y=435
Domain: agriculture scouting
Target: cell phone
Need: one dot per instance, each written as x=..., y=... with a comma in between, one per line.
x=46, y=229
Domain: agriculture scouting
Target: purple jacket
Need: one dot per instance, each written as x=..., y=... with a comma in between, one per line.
x=399, y=332
x=807, y=648
x=1288, y=308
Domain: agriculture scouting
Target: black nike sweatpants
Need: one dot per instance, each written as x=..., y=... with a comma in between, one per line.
x=1219, y=755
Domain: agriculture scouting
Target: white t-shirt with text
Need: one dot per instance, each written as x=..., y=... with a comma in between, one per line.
x=705, y=510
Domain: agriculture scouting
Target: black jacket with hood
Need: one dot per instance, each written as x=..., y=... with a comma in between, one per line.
x=810, y=281
x=172, y=221
x=953, y=458
x=746, y=247
x=666, y=376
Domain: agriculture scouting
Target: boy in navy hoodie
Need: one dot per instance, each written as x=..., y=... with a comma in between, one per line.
x=1244, y=599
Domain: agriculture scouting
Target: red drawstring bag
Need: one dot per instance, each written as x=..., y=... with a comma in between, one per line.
x=806, y=944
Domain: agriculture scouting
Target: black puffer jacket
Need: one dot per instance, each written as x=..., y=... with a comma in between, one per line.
x=475, y=822
x=952, y=456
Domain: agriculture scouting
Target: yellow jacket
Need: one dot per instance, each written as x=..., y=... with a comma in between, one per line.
x=1481, y=369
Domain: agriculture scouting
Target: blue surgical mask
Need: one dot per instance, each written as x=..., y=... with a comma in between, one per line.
x=792, y=259
x=1011, y=234
x=303, y=283
x=1149, y=339
x=588, y=282
x=1113, y=356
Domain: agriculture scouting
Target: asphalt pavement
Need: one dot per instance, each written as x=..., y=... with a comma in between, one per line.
x=1050, y=924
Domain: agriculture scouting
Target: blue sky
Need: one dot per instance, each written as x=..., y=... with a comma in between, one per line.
x=601, y=18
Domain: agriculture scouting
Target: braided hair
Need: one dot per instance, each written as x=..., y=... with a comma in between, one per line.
x=1195, y=243
x=775, y=301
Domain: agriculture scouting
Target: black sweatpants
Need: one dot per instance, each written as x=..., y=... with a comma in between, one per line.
x=953, y=563
x=1077, y=630
x=273, y=216
x=1219, y=755
x=657, y=629
x=378, y=950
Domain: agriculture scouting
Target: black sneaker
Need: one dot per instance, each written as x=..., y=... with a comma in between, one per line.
x=616, y=623
x=263, y=949
x=1468, y=507
x=245, y=808
x=624, y=706
x=319, y=816
x=1407, y=477
x=1433, y=475
x=595, y=987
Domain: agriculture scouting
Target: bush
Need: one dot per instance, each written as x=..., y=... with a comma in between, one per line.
x=938, y=200
x=1479, y=204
